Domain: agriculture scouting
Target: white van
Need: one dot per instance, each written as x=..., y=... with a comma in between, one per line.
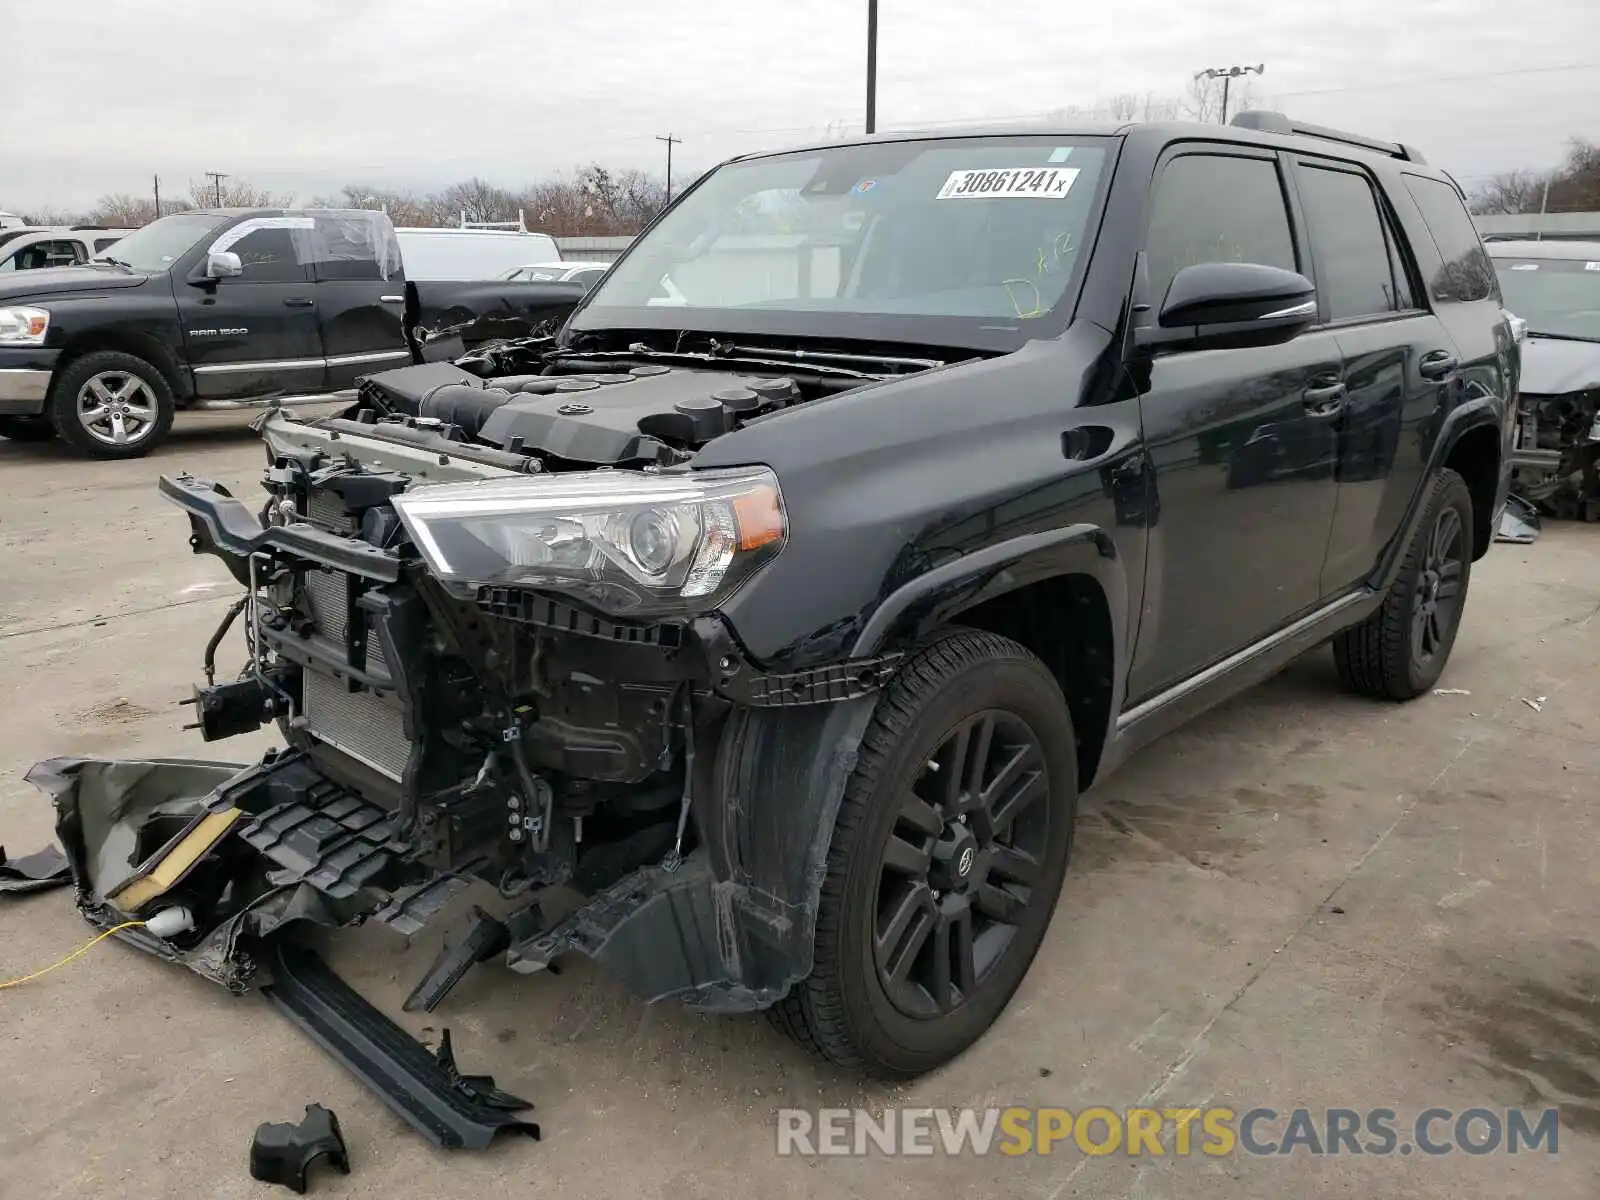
x=469, y=255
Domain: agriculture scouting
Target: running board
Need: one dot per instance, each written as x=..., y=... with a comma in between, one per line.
x=452, y=1110
x=348, y=396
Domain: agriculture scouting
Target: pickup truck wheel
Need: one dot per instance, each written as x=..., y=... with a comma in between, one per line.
x=1400, y=651
x=27, y=429
x=946, y=860
x=111, y=405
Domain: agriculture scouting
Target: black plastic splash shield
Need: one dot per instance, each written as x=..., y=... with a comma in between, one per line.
x=452, y=1110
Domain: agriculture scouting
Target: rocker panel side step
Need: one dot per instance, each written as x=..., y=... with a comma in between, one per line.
x=427, y=1090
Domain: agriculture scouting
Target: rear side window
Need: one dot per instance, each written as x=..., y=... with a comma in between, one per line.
x=1467, y=274
x=1355, y=271
x=1217, y=208
x=105, y=243
x=349, y=248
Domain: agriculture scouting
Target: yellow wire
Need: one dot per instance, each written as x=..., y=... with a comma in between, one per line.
x=81, y=950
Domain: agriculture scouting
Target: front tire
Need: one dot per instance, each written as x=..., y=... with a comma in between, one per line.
x=1400, y=651
x=946, y=860
x=111, y=405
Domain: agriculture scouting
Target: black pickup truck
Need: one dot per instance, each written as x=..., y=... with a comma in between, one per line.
x=884, y=496
x=232, y=309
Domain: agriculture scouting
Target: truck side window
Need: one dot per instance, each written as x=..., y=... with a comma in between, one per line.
x=1467, y=274
x=1355, y=274
x=61, y=253
x=1217, y=208
x=346, y=250
x=268, y=256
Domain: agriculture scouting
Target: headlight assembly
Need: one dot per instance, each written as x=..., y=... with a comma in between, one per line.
x=641, y=545
x=23, y=326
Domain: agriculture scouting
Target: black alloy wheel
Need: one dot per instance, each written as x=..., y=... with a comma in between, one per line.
x=960, y=866
x=945, y=861
x=1436, y=601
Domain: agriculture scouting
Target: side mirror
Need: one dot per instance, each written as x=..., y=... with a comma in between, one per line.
x=222, y=264
x=1232, y=304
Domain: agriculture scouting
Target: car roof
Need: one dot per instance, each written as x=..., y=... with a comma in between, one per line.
x=1555, y=248
x=1247, y=129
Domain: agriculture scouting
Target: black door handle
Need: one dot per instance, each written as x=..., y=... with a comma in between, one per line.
x=1440, y=364
x=299, y=301
x=1325, y=401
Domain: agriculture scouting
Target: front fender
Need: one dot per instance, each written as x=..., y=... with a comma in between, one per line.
x=940, y=595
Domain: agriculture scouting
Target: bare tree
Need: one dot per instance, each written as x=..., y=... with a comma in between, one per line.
x=235, y=193
x=474, y=200
x=124, y=211
x=1511, y=192
x=52, y=216
x=1202, y=98
x=403, y=208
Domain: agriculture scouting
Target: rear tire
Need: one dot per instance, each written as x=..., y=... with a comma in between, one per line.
x=111, y=405
x=946, y=860
x=1400, y=651
x=27, y=429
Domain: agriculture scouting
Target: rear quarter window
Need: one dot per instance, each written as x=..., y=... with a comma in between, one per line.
x=1466, y=275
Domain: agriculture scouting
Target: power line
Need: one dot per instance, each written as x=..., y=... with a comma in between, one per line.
x=216, y=178
x=670, y=141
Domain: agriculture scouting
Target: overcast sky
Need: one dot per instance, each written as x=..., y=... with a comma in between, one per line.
x=306, y=95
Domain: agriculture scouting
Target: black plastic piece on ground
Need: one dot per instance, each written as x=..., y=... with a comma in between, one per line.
x=408, y=915
x=280, y=1153
x=428, y=1091
x=328, y=837
x=487, y=938
x=36, y=872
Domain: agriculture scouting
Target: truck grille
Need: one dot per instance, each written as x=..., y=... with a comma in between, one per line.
x=357, y=723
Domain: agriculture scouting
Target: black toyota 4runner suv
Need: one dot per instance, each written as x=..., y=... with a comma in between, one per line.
x=884, y=497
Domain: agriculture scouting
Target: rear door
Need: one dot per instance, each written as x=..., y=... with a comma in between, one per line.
x=255, y=334
x=360, y=296
x=1397, y=358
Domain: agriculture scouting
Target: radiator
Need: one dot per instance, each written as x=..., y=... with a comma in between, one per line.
x=357, y=723
x=328, y=593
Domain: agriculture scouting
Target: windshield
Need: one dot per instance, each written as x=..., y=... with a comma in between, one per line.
x=983, y=236
x=1556, y=297
x=161, y=243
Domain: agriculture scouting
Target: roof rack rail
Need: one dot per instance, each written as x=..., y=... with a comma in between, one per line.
x=75, y=228
x=1276, y=122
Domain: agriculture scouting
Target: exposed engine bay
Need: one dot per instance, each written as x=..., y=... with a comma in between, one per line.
x=480, y=606
x=1557, y=460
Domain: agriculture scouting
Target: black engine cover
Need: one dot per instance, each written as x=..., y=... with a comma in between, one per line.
x=608, y=419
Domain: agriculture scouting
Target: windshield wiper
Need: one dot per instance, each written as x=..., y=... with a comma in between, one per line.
x=1561, y=337
x=116, y=262
x=830, y=356
x=642, y=352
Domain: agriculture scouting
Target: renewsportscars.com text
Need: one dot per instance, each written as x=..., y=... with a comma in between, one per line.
x=1178, y=1132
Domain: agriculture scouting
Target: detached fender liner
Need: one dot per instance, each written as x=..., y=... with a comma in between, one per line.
x=455, y=1111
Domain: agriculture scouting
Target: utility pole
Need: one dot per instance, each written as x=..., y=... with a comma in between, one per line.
x=157, y=179
x=216, y=182
x=872, y=66
x=670, y=141
x=1228, y=75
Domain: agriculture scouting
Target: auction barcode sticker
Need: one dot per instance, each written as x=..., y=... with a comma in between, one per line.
x=1009, y=183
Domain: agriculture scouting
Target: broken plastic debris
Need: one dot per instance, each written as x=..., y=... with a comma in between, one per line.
x=1519, y=521
x=1451, y=692
x=1537, y=705
x=36, y=872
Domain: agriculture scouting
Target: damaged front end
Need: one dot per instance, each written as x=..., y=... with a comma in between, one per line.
x=1556, y=462
x=456, y=710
